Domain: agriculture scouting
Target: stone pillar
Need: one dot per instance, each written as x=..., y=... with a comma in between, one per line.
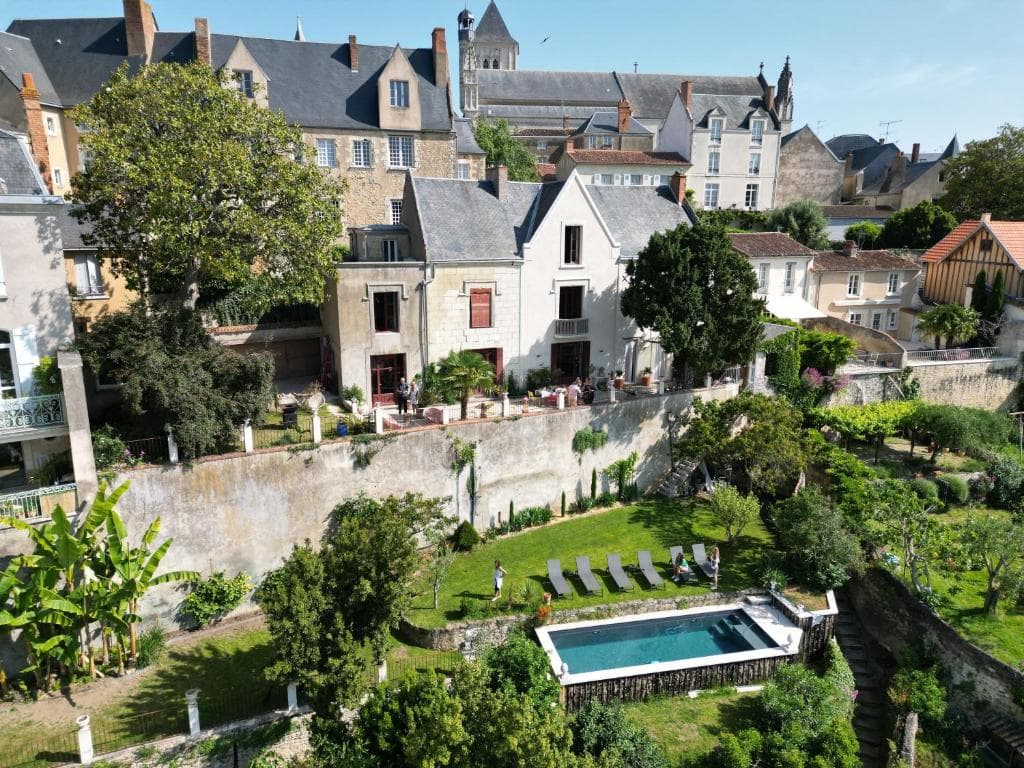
x=382, y=672
x=172, y=448
x=192, y=702
x=611, y=392
x=506, y=407
x=561, y=401
x=247, y=441
x=707, y=380
x=661, y=387
x=378, y=420
x=85, y=752
x=446, y=415
x=293, y=698
x=76, y=415
x=317, y=436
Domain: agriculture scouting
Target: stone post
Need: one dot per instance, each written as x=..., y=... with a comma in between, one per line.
x=172, y=448
x=378, y=420
x=506, y=407
x=293, y=698
x=247, y=441
x=561, y=401
x=611, y=392
x=317, y=435
x=85, y=753
x=661, y=387
x=192, y=702
x=707, y=381
x=76, y=415
x=446, y=414
x=382, y=672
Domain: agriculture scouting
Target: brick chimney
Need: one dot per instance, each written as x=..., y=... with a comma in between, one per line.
x=565, y=121
x=203, y=50
x=686, y=93
x=498, y=176
x=678, y=185
x=850, y=249
x=986, y=218
x=440, y=48
x=353, y=53
x=625, y=114
x=769, y=98
x=849, y=163
x=36, y=131
x=140, y=26
x=915, y=154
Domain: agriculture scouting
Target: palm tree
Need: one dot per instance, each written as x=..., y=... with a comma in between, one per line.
x=953, y=321
x=466, y=372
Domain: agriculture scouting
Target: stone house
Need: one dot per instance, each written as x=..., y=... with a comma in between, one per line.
x=807, y=170
x=471, y=159
x=782, y=267
x=873, y=289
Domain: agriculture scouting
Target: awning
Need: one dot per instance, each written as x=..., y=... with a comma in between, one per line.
x=792, y=308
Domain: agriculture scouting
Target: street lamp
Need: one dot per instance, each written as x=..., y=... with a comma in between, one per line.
x=671, y=417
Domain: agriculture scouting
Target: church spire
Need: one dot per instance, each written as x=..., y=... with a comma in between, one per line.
x=300, y=36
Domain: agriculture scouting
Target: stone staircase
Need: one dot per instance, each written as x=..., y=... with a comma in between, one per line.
x=871, y=680
x=677, y=482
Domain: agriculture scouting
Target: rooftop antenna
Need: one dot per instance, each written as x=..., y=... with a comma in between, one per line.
x=636, y=67
x=819, y=125
x=887, y=124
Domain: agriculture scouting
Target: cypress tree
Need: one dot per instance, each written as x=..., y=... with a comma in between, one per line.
x=593, y=483
x=996, y=298
x=563, y=503
x=979, y=294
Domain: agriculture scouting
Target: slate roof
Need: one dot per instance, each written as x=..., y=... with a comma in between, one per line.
x=633, y=214
x=873, y=162
x=17, y=169
x=1010, y=235
x=651, y=95
x=736, y=109
x=528, y=86
x=465, y=141
x=17, y=55
x=607, y=121
x=492, y=27
x=626, y=157
x=863, y=261
x=756, y=245
x=71, y=231
x=858, y=212
x=545, y=132
x=846, y=143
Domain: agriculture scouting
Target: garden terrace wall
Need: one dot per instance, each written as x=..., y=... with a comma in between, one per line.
x=895, y=618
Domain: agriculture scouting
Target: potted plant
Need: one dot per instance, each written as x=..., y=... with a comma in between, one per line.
x=619, y=381
x=645, y=379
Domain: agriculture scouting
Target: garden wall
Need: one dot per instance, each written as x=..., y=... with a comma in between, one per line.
x=896, y=619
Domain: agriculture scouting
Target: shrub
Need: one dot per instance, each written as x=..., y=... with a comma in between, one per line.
x=150, y=646
x=353, y=392
x=919, y=690
x=820, y=552
x=1008, y=482
x=605, y=499
x=46, y=377
x=604, y=732
x=107, y=447
x=465, y=536
x=980, y=487
x=521, y=666
x=537, y=378
x=926, y=489
x=212, y=598
x=588, y=439
x=581, y=505
x=953, y=489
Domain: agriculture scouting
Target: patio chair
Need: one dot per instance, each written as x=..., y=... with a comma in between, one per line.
x=557, y=579
x=618, y=575
x=647, y=569
x=673, y=553
x=700, y=557
x=587, y=576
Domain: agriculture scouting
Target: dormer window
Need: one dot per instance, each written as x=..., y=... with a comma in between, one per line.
x=716, y=126
x=243, y=77
x=757, y=132
x=400, y=93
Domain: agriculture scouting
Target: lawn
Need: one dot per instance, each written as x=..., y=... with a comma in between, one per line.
x=688, y=729
x=653, y=524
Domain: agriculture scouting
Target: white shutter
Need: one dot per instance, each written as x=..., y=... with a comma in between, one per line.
x=81, y=274
x=618, y=178
x=26, y=356
x=93, y=269
x=597, y=178
x=647, y=180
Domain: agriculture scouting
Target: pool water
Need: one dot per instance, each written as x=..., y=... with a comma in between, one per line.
x=650, y=641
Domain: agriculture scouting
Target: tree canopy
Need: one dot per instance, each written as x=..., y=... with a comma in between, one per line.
x=988, y=177
x=953, y=322
x=865, y=234
x=503, y=148
x=820, y=552
x=804, y=221
x=189, y=184
x=697, y=292
x=919, y=227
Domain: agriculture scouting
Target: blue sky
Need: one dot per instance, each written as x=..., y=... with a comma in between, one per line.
x=938, y=66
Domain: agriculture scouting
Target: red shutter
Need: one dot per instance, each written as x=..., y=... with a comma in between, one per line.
x=480, y=308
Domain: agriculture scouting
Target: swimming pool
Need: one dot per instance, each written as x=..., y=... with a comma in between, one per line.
x=666, y=641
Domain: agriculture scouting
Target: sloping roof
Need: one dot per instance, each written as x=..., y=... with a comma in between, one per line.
x=18, y=55
x=651, y=95
x=607, y=121
x=528, y=86
x=492, y=27
x=17, y=170
x=626, y=157
x=846, y=143
x=545, y=132
x=873, y=162
x=547, y=171
x=633, y=214
x=71, y=231
x=755, y=245
x=806, y=130
x=858, y=212
x=863, y=261
x=1010, y=235
x=735, y=109
x=465, y=141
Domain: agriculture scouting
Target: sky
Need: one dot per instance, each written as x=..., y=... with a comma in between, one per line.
x=931, y=67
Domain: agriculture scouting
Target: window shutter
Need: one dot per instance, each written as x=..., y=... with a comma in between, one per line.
x=480, y=308
x=81, y=274
x=618, y=178
x=647, y=180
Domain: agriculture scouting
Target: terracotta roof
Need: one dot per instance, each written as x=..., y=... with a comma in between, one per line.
x=863, y=261
x=1010, y=235
x=626, y=157
x=756, y=245
x=546, y=170
x=856, y=212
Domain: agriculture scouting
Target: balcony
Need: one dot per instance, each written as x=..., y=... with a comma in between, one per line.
x=32, y=417
x=39, y=502
x=577, y=326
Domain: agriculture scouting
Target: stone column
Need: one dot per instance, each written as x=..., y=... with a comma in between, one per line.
x=172, y=448
x=317, y=436
x=382, y=672
x=293, y=698
x=378, y=420
x=85, y=752
x=506, y=408
x=561, y=401
x=611, y=392
x=192, y=702
x=247, y=441
x=76, y=415
x=661, y=387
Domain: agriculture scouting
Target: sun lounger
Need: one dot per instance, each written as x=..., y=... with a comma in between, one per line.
x=557, y=579
x=587, y=576
x=618, y=575
x=647, y=569
x=701, y=559
x=688, y=576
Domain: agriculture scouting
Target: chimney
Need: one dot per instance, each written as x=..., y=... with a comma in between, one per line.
x=849, y=164
x=881, y=140
x=565, y=121
x=678, y=185
x=203, y=50
x=915, y=154
x=986, y=218
x=850, y=249
x=140, y=26
x=353, y=53
x=36, y=131
x=498, y=176
x=625, y=114
x=686, y=93
x=769, y=98
x=437, y=43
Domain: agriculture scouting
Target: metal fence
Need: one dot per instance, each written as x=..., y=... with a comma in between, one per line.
x=115, y=734
x=147, y=450
x=890, y=360
x=436, y=661
x=951, y=355
x=17, y=751
x=284, y=431
x=38, y=502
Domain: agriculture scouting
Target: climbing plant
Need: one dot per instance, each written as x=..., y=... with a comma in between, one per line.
x=588, y=439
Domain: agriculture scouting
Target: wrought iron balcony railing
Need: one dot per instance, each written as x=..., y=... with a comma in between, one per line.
x=23, y=413
x=38, y=502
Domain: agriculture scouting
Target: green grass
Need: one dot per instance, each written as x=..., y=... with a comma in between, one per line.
x=271, y=432
x=654, y=525
x=688, y=729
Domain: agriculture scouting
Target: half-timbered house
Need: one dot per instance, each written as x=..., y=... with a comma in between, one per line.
x=954, y=262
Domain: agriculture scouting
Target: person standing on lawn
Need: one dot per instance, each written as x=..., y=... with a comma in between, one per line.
x=716, y=563
x=499, y=576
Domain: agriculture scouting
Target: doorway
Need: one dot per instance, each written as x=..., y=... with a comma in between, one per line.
x=570, y=360
x=12, y=466
x=493, y=355
x=385, y=372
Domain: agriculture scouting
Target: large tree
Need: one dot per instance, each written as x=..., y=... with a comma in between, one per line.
x=954, y=322
x=803, y=220
x=503, y=148
x=988, y=177
x=998, y=543
x=697, y=292
x=919, y=227
x=189, y=183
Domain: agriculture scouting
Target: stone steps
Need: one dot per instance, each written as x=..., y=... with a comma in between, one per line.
x=677, y=483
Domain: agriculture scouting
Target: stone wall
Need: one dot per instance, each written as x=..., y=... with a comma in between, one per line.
x=979, y=684
x=808, y=170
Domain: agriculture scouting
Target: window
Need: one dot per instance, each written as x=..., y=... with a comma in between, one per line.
x=754, y=166
x=400, y=93
x=361, y=153
x=716, y=126
x=633, y=179
x=890, y=322
x=762, y=277
x=495, y=64
x=395, y=211
x=385, y=312
x=400, y=152
x=480, y=308
x=325, y=153
x=570, y=302
x=894, y=283
x=605, y=178
x=58, y=177
x=750, y=198
x=463, y=169
x=853, y=285
x=8, y=385
x=243, y=78
x=757, y=132
x=876, y=321
x=87, y=276
x=710, y=195
x=790, y=276
x=855, y=318
x=986, y=245
x=542, y=145
x=573, y=238
x=389, y=250
x=714, y=160
x=487, y=63
x=51, y=126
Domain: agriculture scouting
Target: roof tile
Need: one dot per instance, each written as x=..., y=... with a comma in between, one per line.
x=760, y=244
x=862, y=261
x=626, y=157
